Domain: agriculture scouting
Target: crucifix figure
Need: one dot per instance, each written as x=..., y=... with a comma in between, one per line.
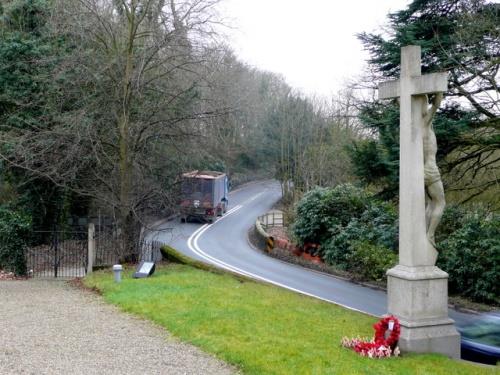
x=432, y=178
x=418, y=172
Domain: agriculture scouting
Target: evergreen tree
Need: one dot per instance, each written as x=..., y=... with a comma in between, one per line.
x=461, y=37
x=28, y=57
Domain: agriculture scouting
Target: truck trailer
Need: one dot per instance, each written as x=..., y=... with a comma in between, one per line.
x=203, y=195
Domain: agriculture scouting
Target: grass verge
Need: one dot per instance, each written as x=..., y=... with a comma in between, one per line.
x=259, y=328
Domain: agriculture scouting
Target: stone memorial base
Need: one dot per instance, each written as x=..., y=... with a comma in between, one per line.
x=418, y=297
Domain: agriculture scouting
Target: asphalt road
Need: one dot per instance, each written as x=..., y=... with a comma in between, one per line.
x=225, y=244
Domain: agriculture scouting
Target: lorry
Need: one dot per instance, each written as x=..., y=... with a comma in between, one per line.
x=204, y=195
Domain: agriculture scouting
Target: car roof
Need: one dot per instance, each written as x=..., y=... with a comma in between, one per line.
x=209, y=175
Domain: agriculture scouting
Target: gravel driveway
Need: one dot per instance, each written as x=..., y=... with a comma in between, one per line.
x=50, y=327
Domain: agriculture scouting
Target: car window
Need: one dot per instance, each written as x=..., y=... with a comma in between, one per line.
x=486, y=331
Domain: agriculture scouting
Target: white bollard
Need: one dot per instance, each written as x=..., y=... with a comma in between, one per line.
x=117, y=269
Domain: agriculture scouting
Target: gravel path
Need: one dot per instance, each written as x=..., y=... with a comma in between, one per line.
x=50, y=327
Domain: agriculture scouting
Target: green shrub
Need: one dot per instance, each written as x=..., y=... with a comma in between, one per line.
x=471, y=256
x=325, y=210
x=453, y=218
x=311, y=225
x=377, y=226
x=371, y=261
x=14, y=235
x=360, y=234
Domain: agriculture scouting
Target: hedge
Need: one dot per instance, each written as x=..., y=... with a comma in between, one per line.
x=14, y=237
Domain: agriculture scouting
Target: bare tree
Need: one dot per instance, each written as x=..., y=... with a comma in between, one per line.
x=129, y=103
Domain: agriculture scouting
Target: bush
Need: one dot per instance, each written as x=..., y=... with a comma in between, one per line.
x=311, y=225
x=377, y=226
x=360, y=234
x=371, y=261
x=14, y=235
x=325, y=210
x=453, y=218
x=471, y=255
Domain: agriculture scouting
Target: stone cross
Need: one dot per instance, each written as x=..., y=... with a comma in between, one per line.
x=411, y=88
x=417, y=290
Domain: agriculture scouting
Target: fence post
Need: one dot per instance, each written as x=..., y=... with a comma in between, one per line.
x=91, y=248
x=55, y=245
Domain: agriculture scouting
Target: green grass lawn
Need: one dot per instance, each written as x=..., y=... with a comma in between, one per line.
x=259, y=328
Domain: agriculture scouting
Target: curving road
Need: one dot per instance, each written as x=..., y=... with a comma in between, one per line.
x=225, y=244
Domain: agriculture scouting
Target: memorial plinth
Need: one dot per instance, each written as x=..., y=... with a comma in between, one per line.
x=418, y=296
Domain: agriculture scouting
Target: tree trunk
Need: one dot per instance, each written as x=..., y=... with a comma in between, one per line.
x=126, y=216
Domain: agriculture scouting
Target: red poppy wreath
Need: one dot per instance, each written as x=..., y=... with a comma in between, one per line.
x=379, y=346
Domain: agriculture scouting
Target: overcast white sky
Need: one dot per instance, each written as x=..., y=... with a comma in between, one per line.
x=311, y=43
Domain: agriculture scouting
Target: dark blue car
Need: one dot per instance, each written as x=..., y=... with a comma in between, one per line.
x=481, y=339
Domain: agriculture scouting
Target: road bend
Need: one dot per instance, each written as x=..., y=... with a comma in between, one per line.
x=225, y=244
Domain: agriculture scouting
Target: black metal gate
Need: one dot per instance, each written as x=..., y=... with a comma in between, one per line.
x=58, y=254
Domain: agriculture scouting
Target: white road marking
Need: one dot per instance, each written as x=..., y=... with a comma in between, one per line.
x=234, y=209
x=254, y=197
x=195, y=248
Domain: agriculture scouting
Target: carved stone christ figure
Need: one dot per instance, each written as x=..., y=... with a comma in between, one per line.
x=435, y=199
